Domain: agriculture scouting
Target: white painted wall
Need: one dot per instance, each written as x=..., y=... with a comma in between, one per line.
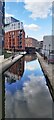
x=46, y=41
x=14, y=26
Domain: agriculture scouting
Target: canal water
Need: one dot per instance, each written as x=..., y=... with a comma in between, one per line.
x=26, y=91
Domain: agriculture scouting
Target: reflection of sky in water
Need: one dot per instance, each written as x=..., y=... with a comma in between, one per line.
x=29, y=96
x=31, y=67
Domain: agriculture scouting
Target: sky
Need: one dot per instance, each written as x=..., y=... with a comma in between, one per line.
x=36, y=16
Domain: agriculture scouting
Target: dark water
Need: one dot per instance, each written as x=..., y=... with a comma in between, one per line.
x=26, y=92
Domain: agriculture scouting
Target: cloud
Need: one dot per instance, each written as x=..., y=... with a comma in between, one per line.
x=36, y=82
x=29, y=1
x=8, y=15
x=35, y=92
x=32, y=27
x=20, y=0
x=38, y=10
x=29, y=102
x=31, y=66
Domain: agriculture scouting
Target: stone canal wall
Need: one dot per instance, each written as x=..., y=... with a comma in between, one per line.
x=48, y=70
x=9, y=62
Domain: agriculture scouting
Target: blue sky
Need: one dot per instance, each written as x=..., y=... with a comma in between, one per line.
x=36, y=16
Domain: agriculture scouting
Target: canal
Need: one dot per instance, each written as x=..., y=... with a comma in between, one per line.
x=26, y=91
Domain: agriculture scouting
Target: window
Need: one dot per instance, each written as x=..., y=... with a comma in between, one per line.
x=10, y=33
x=20, y=46
x=13, y=33
x=12, y=24
x=18, y=25
x=20, y=42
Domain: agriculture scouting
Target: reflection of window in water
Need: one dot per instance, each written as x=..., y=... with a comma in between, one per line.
x=10, y=79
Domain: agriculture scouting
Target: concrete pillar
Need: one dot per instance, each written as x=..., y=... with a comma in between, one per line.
x=1, y=58
x=0, y=97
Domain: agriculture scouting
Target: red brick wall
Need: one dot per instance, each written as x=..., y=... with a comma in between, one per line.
x=30, y=42
x=13, y=40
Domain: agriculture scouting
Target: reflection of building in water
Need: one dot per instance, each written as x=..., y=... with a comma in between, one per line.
x=18, y=68
x=16, y=71
x=30, y=58
x=10, y=79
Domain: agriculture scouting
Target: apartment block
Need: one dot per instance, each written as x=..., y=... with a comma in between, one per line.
x=10, y=20
x=14, y=35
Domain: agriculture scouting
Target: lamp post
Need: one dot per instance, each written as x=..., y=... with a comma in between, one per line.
x=49, y=54
x=45, y=48
x=49, y=50
x=44, y=51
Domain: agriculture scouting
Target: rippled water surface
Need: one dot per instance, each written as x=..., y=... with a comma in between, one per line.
x=26, y=92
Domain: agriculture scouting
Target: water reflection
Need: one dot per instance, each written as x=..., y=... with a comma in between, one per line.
x=29, y=57
x=29, y=96
x=15, y=72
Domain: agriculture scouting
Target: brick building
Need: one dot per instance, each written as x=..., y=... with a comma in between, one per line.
x=14, y=35
x=31, y=44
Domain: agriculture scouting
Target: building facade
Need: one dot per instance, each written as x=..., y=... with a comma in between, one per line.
x=2, y=5
x=12, y=40
x=13, y=24
x=14, y=36
x=40, y=46
x=10, y=20
x=31, y=42
x=48, y=45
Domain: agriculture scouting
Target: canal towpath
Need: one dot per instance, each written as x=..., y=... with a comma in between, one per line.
x=48, y=70
x=9, y=61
